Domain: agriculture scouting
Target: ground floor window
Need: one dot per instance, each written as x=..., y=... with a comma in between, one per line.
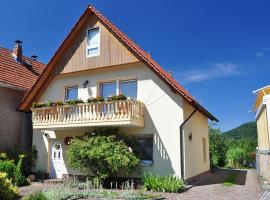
x=145, y=149
x=204, y=149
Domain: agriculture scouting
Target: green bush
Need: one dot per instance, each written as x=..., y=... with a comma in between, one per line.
x=29, y=160
x=14, y=171
x=36, y=196
x=8, y=167
x=7, y=190
x=19, y=178
x=157, y=183
x=237, y=158
x=101, y=156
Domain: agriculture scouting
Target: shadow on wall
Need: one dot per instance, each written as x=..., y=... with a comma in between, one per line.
x=162, y=163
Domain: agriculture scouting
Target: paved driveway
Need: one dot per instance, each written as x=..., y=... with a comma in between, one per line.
x=210, y=187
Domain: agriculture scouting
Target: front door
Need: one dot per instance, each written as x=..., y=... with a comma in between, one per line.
x=56, y=161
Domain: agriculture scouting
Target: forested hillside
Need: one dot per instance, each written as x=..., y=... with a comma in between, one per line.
x=246, y=130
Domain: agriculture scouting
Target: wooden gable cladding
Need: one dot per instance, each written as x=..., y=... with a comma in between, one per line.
x=112, y=51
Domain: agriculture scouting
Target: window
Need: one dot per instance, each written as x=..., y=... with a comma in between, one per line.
x=108, y=89
x=71, y=93
x=93, y=42
x=129, y=88
x=204, y=149
x=145, y=149
x=126, y=87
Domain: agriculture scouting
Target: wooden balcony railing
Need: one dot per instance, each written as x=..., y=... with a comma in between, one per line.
x=124, y=112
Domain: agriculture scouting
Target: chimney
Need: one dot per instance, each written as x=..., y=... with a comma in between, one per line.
x=34, y=57
x=17, y=51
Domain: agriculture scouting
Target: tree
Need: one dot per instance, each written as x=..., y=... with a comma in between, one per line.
x=217, y=147
x=101, y=156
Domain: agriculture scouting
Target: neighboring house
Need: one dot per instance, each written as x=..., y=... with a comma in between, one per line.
x=262, y=109
x=17, y=75
x=97, y=59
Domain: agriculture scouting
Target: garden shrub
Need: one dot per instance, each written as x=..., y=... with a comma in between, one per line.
x=101, y=156
x=7, y=190
x=157, y=183
x=14, y=171
x=36, y=196
x=237, y=158
x=19, y=178
x=8, y=167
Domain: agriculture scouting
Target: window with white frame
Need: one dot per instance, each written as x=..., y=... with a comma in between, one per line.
x=93, y=42
x=71, y=93
x=126, y=87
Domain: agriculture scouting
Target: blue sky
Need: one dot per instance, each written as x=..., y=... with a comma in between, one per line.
x=218, y=50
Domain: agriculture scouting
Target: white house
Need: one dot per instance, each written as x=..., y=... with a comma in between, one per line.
x=97, y=59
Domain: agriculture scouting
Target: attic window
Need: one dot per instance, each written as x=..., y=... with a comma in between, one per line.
x=93, y=42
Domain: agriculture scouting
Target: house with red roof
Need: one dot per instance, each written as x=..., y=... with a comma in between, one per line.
x=97, y=61
x=18, y=74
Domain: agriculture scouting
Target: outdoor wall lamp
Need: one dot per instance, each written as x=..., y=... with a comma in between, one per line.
x=85, y=83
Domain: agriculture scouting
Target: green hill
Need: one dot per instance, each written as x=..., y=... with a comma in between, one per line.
x=246, y=130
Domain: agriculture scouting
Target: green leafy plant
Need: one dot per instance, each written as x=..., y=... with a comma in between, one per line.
x=39, y=105
x=19, y=178
x=101, y=156
x=117, y=97
x=237, y=158
x=8, y=167
x=157, y=183
x=7, y=190
x=36, y=196
x=217, y=147
x=58, y=103
x=96, y=99
x=74, y=102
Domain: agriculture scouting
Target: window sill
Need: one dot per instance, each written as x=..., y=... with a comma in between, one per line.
x=146, y=163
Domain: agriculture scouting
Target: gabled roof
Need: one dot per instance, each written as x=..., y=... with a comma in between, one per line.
x=144, y=57
x=260, y=93
x=19, y=75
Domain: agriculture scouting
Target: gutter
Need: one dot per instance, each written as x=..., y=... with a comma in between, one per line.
x=182, y=162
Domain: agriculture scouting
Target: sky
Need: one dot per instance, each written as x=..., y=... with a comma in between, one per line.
x=218, y=50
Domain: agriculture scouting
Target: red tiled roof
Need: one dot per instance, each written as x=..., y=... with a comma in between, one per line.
x=17, y=74
x=138, y=52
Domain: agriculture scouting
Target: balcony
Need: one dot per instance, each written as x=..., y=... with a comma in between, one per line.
x=113, y=113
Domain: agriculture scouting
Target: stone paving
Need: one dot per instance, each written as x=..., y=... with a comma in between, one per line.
x=209, y=187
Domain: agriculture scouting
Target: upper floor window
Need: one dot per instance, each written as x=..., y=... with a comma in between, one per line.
x=71, y=93
x=126, y=87
x=108, y=89
x=129, y=88
x=93, y=42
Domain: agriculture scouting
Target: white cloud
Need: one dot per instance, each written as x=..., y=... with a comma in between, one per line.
x=213, y=71
x=259, y=54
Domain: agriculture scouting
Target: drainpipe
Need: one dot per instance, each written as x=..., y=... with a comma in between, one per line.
x=182, y=141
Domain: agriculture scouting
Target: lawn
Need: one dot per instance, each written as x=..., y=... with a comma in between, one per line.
x=230, y=180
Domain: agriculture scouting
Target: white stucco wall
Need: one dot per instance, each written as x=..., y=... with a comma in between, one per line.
x=163, y=113
x=194, y=155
